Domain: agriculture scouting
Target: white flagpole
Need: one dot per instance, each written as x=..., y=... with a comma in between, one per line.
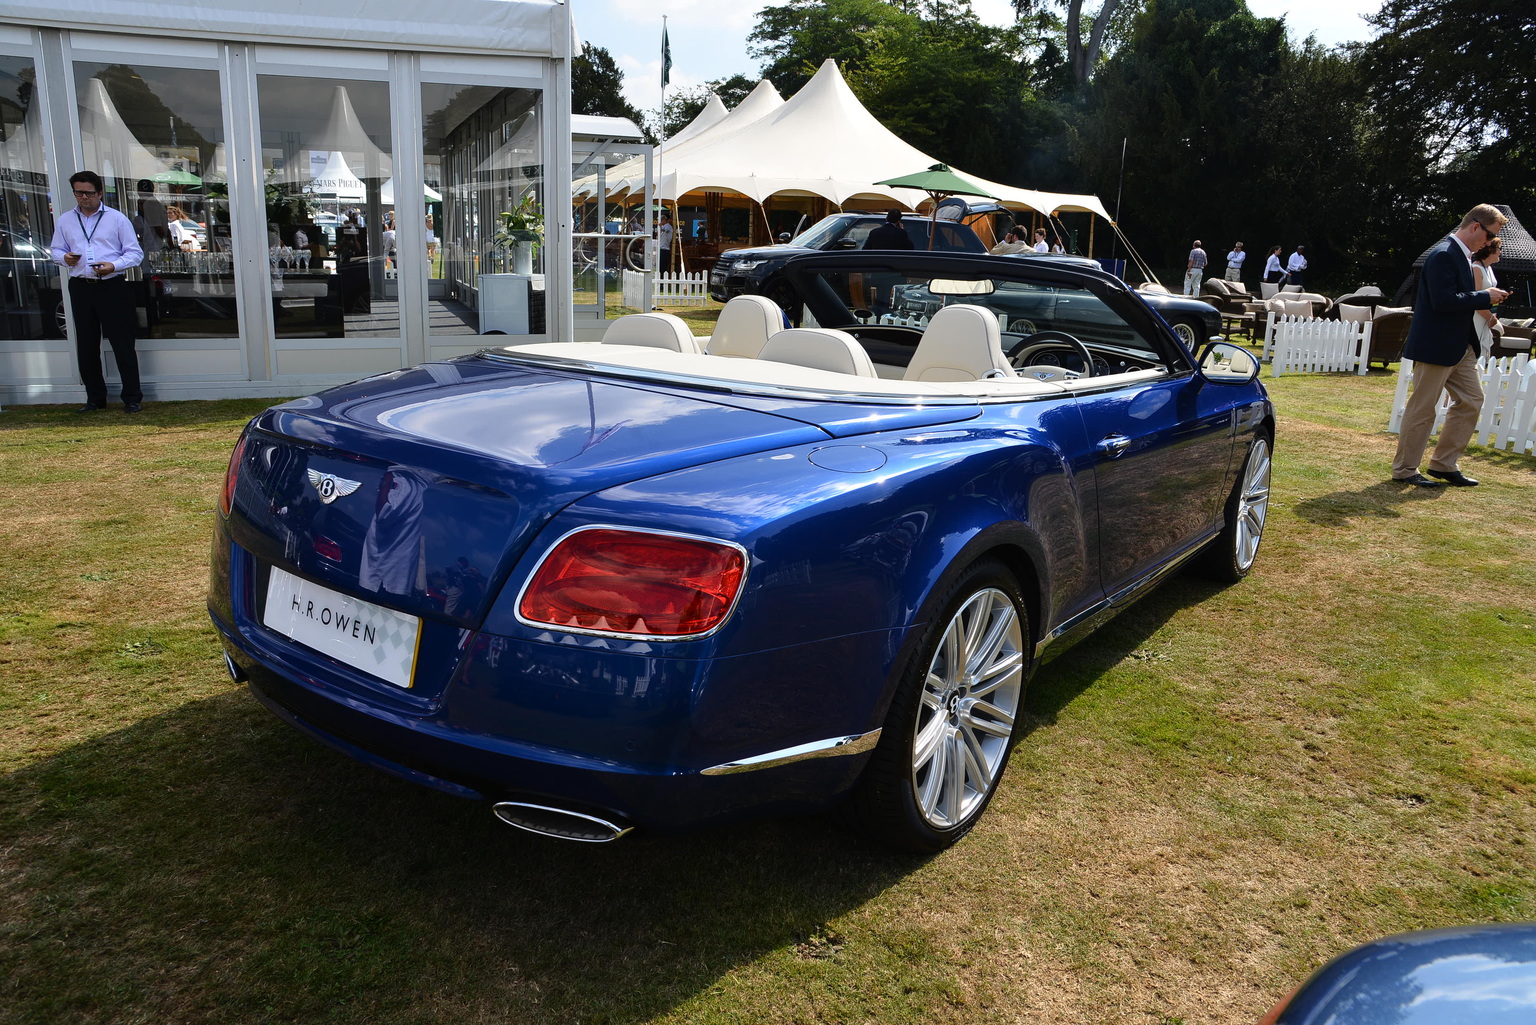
x=661, y=133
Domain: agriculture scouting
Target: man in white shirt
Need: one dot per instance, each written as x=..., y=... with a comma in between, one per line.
x=96, y=243
x=664, y=242
x=1235, y=262
x=1296, y=267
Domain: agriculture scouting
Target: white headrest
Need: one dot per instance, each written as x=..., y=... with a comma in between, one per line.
x=658, y=330
x=819, y=348
x=961, y=343
x=745, y=325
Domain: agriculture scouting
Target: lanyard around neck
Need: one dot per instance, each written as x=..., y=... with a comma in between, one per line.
x=89, y=235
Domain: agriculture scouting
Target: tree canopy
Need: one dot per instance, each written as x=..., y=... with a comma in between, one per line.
x=1231, y=128
x=597, y=85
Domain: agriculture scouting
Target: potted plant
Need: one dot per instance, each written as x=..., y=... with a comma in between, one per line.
x=522, y=230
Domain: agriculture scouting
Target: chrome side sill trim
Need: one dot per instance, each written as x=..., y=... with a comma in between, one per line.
x=1125, y=596
x=832, y=747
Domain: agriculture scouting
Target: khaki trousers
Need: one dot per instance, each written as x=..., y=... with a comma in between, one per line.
x=1429, y=380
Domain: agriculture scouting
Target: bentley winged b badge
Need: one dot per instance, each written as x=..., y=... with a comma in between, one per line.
x=332, y=487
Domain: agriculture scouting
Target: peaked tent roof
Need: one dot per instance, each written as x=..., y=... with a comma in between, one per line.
x=821, y=142
x=629, y=175
x=706, y=119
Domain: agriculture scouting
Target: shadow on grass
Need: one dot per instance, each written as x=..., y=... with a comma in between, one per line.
x=1374, y=501
x=211, y=864
x=1058, y=682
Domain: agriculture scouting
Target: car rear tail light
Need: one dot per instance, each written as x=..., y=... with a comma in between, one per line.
x=639, y=583
x=227, y=500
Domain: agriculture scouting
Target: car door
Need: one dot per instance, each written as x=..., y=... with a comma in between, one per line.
x=1162, y=442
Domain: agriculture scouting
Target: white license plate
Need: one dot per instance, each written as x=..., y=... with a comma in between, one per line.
x=379, y=641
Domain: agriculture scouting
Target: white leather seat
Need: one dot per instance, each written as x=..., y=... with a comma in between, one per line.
x=961, y=343
x=745, y=325
x=819, y=348
x=658, y=330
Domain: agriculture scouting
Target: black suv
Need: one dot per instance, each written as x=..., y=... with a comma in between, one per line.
x=743, y=271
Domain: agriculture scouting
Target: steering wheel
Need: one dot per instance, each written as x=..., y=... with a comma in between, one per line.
x=1052, y=335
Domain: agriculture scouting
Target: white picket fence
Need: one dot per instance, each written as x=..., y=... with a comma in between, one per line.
x=1311, y=345
x=682, y=289
x=1508, y=416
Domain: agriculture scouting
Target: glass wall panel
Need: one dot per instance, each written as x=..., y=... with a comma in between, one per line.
x=610, y=244
x=325, y=147
x=156, y=137
x=485, y=209
x=31, y=303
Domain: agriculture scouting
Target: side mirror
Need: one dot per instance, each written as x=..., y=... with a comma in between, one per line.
x=783, y=237
x=1225, y=363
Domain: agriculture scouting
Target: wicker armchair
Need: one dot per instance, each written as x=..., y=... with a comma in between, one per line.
x=1389, y=332
x=1226, y=296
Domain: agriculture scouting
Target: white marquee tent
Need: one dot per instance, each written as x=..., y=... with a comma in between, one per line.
x=821, y=142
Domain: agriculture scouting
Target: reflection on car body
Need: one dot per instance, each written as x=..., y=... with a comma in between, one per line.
x=695, y=586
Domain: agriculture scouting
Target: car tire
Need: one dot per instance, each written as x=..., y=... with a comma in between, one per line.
x=1189, y=331
x=950, y=728
x=1231, y=555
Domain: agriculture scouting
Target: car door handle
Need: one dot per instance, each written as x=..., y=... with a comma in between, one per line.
x=1114, y=445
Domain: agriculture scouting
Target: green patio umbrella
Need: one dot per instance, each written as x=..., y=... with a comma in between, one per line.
x=176, y=176
x=938, y=181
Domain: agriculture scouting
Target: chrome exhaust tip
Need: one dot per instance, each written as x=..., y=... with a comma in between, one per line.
x=235, y=672
x=561, y=823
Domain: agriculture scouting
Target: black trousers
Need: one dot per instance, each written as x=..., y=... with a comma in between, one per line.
x=105, y=307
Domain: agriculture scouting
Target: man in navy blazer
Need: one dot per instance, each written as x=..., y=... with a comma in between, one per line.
x=1442, y=342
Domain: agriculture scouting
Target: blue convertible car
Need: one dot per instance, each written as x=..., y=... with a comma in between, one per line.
x=659, y=580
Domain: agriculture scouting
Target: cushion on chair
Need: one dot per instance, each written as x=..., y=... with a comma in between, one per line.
x=1357, y=314
x=961, y=343
x=819, y=348
x=1383, y=311
x=658, y=330
x=1267, y=289
x=744, y=326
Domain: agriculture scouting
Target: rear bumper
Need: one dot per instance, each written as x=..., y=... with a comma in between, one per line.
x=472, y=766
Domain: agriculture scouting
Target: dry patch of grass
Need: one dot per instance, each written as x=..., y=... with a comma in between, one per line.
x=1214, y=794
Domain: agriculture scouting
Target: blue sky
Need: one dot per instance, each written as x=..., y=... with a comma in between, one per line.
x=709, y=38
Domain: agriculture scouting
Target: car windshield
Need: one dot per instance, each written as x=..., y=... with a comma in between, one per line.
x=824, y=232
x=1024, y=307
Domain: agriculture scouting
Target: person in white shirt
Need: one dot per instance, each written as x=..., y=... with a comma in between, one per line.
x=1235, y=262
x=664, y=242
x=97, y=244
x=1273, y=271
x=1040, y=243
x=1296, y=267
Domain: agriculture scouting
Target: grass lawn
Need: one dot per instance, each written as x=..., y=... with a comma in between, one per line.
x=1213, y=795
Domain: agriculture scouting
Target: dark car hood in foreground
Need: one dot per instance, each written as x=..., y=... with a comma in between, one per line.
x=469, y=459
